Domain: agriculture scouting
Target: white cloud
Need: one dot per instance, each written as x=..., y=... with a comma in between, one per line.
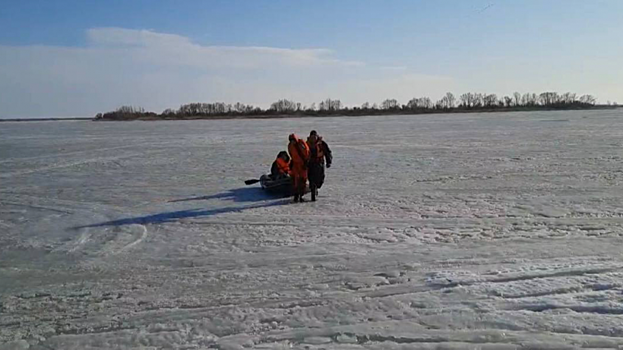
x=129, y=37
x=178, y=50
x=394, y=68
x=156, y=70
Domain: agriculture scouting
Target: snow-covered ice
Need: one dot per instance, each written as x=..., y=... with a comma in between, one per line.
x=473, y=231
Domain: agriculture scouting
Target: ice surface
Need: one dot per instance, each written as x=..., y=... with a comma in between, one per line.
x=474, y=231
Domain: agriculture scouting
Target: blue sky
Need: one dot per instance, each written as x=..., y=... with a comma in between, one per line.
x=60, y=58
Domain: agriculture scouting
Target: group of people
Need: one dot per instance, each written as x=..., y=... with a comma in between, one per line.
x=305, y=160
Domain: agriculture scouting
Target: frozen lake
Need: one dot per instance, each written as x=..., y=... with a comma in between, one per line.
x=473, y=231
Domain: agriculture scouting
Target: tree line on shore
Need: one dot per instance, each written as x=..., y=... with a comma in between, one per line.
x=447, y=104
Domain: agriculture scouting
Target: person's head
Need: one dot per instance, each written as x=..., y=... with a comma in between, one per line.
x=284, y=155
x=292, y=138
x=313, y=136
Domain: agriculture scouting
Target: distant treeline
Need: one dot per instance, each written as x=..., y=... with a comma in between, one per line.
x=468, y=102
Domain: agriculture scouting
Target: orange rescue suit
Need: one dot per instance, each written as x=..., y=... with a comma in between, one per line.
x=283, y=166
x=317, y=149
x=299, y=153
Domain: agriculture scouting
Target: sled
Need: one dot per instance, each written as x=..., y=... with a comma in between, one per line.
x=278, y=187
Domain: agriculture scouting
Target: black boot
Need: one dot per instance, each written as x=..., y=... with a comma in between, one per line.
x=297, y=198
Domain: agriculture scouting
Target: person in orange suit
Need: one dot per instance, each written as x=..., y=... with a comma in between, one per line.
x=299, y=155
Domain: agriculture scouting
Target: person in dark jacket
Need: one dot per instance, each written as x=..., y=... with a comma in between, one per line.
x=320, y=155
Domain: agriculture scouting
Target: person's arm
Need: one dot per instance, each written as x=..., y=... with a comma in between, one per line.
x=274, y=170
x=327, y=154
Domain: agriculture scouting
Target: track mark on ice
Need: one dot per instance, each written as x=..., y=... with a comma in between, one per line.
x=600, y=310
x=453, y=279
x=82, y=240
x=558, y=291
x=111, y=241
x=66, y=165
x=141, y=237
x=31, y=206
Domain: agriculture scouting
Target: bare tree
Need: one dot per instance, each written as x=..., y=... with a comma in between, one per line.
x=489, y=100
x=588, y=99
x=130, y=110
x=442, y=103
x=548, y=98
x=450, y=99
x=330, y=105
x=389, y=104
x=284, y=106
x=241, y=108
x=529, y=99
x=198, y=109
x=446, y=102
x=479, y=99
x=517, y=97
x=508, y=101
x=471, y=100
x=420, y=103
x=468, y=100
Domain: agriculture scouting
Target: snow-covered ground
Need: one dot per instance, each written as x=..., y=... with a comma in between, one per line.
x=475, y=231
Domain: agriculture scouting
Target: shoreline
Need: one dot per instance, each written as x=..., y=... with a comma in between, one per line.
x=349, y=114
x=352, y=114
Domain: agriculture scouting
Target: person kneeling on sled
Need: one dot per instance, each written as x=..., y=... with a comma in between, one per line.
x=281, y=166
x=299, y=153
x=319, y=152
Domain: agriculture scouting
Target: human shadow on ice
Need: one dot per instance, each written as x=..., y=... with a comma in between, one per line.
x=243, y=194
x=172, y=216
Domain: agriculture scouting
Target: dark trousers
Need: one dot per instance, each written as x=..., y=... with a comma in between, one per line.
x=316, y=174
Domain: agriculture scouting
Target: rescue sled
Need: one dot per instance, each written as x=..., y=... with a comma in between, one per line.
x=279, y=186
x=282, y=186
